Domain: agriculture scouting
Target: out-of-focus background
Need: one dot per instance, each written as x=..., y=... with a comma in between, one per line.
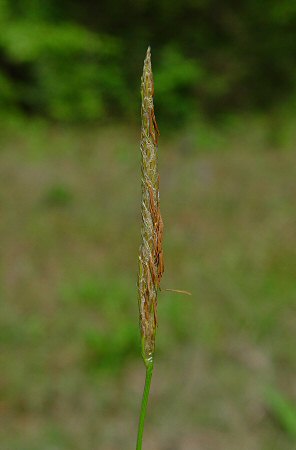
x=225, y=98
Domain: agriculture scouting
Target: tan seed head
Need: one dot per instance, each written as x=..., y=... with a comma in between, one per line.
x=151, y=265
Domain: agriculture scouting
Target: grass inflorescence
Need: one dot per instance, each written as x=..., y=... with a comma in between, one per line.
x=150, y=255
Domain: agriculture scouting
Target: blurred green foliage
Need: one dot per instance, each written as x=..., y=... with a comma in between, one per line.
x=81, y=61
x=55, y=69
x=58, y=195
x=108, y=346
x=282, y=410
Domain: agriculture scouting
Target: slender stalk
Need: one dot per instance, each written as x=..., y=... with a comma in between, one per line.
x=149, y=371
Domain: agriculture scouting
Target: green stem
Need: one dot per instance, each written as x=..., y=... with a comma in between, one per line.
x=149, y=371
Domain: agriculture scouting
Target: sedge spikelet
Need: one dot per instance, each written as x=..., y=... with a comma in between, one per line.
x=150, y=255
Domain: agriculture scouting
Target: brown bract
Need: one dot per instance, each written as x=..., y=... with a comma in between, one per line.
x=151, y=265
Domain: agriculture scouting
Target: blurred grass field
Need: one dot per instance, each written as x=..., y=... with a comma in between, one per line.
x=72, y=374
